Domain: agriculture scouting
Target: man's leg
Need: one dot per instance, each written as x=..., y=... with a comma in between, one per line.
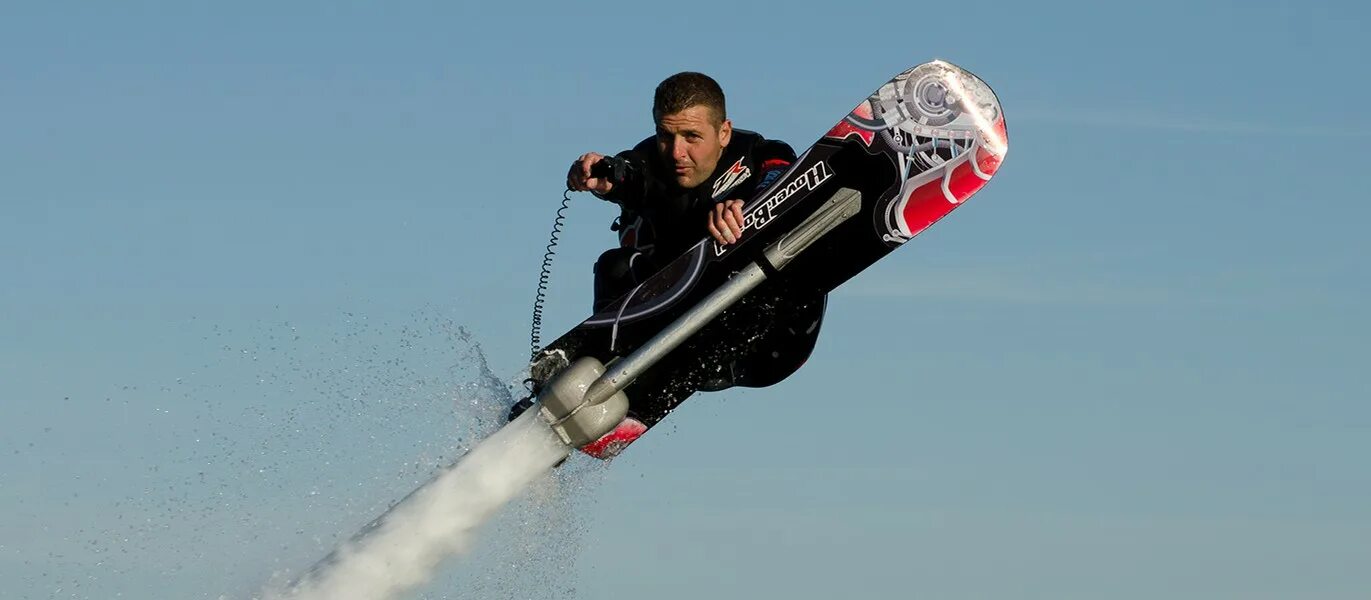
x=763, y=339
x=616, y=272
x=785, y=347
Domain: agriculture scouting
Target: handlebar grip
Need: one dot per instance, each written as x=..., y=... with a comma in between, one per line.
x=613, y=168
x=602, y=169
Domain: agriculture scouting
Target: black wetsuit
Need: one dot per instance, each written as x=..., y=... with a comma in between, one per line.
x=767, y=335
x=659, y=220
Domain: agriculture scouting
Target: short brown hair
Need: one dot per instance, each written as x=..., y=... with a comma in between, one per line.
x=687, y=89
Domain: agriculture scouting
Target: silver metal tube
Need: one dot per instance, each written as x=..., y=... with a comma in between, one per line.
x=843, y=205
x=625, y=371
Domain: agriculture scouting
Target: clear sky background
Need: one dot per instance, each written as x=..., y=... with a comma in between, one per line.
x=252, y=256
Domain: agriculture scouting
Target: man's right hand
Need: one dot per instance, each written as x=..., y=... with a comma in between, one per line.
x=578, y=177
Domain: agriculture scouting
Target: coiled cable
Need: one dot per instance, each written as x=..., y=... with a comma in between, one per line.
x=535, y=333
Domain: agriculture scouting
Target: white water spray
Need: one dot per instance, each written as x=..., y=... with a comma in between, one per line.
x=403, y=547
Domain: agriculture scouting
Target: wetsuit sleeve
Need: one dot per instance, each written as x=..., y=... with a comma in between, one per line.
x=773, y=158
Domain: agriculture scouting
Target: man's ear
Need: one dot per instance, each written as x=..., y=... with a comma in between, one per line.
x=725, y=132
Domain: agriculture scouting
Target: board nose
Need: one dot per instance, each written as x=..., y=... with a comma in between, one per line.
x=938, y=100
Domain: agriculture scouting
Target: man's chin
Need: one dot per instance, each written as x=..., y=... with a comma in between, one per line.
x=687, y=182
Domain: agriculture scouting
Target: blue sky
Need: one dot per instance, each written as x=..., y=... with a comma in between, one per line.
x=252, y=256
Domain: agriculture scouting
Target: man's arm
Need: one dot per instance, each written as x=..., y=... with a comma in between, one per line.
x=773, y=158
x=629, y=193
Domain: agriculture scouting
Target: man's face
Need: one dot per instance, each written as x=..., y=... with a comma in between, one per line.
x=691, y=144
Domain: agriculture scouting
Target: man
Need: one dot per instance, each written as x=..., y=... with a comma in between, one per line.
x=690, y=180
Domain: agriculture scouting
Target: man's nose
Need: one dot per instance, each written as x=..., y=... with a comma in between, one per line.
x=678, y=149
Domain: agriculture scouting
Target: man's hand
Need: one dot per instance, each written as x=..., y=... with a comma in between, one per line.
x=578, y=177
x=726, y=222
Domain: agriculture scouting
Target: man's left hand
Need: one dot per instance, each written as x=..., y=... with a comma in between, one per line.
x=726, y=222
